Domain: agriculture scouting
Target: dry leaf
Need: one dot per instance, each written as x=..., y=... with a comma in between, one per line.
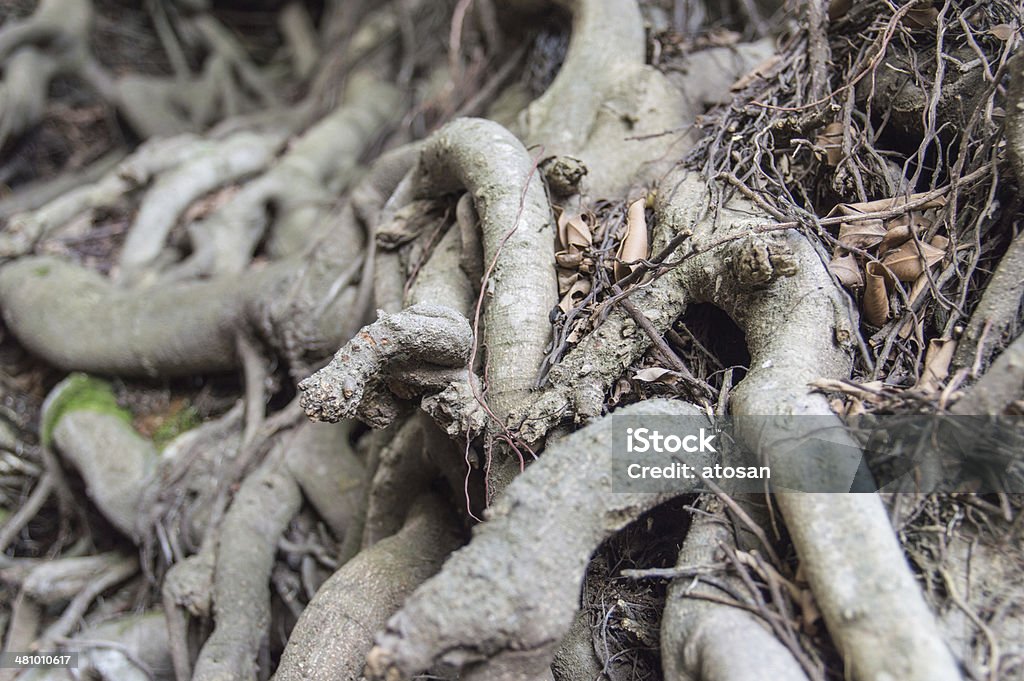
x=634, y=243
x=569, y=260
x=907, y=262
x=847, y=271
x=1002, y=32
x=573, y=232
x=566, y=278
x=895, y=236
x=577, y=292
x=936, y=363
x=831, y=140
x=864, y=234
x=206, y=205
x=653, y=374
x=876, y=297
x=853, y=210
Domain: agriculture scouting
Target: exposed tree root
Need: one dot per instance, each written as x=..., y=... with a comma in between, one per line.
x=35, y=50
x=336, y=630
x=525, y=595
x=332, y=479
x=259, y=514
x=454, y=237
x=847, y=547
x=704, y=640
x=431, y=338
x=1001, y=385
x=222, y=163
x=517, y=233
x=130, y=648
x=297, y=189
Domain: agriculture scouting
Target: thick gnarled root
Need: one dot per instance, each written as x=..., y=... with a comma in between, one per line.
x=259, y=514
x=335, y=632
x=424, y=338
x=710, y=641
x=524, y=595
x=849, y=552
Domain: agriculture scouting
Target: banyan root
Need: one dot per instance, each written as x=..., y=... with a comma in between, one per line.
x=332, y=478
x=129, y=648
x=213, y=164
x=407, y=466
x=298, y=188
x=97, y=439
x=517, y=231
x=620, y=108
x=24, y=229
x=78, y=320
x=997, y=314
x=523, y=594
x=52, y=41
x=252, y=527
x=797, y=328
x=1001, y=385
x=705, y=640
x=357, y=379
x=335, y=632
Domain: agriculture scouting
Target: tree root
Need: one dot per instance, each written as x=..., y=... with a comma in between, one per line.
x=35, y=50
x=298, y=187
x=115, y=462
x=25, y=229
x=619, y=107
x=518, y=233
x=847, y=547
x=353, y=384
x=212, y=165
x=1001, y=385
x=259, y=514
x=707, y=641
x=76, y=319
x=998, y=311
x=332, y=478
x=524, y=595
x=407, y=465
x=129, y=648
x=336, y=629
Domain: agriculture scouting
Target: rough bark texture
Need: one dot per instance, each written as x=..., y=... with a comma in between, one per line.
x=528, y=592
x=851, y=557
x=336, y=629
x=259, y=514
x=518, y=232
x=706, y=641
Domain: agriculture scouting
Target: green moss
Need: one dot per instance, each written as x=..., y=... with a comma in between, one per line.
x=41, y=271
x=184, y=419
x=79, y=392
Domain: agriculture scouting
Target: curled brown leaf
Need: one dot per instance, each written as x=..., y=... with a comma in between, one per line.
x=911, y=259
x=864, y=234
x=847, y=271
x=876, y=296
x=634, y=244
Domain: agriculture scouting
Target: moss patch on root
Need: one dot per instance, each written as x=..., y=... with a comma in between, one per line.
x=174, y=424
x=79, y=392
